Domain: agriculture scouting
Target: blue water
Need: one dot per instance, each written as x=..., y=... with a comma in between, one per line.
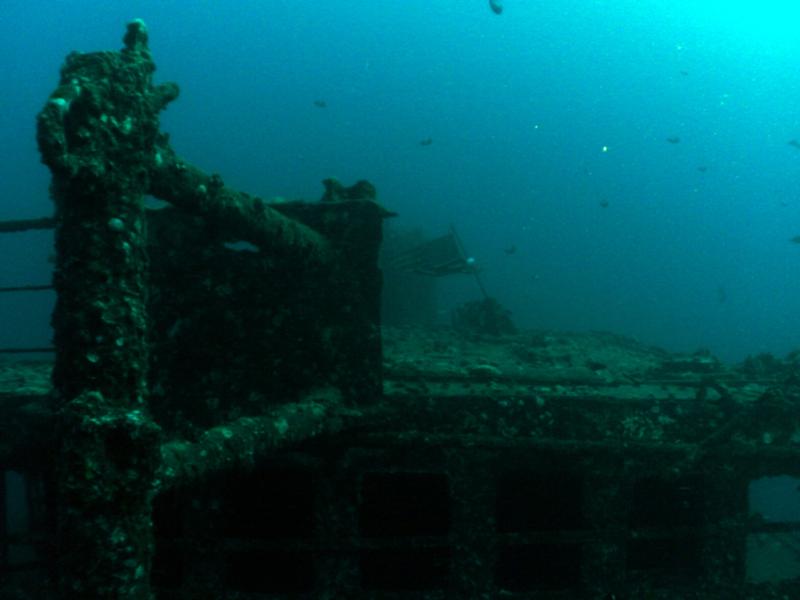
x=549, y=127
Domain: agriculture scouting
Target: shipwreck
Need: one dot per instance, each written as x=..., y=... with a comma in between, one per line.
x=226, y=416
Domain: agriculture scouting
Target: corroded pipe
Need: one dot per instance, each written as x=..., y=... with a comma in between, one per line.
x=237, y=214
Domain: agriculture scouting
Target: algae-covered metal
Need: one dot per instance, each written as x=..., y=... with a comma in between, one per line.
x=96, y=133
x=199, y=340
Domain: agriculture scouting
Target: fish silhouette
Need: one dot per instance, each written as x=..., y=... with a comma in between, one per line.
x=496, y=6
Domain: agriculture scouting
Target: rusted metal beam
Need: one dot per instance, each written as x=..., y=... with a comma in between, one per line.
x=237, y=214
x=243, y=443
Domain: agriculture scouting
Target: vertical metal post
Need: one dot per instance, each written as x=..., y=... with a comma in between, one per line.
x=97, y=134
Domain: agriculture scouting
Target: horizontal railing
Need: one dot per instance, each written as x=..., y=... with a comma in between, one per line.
x=17, y=226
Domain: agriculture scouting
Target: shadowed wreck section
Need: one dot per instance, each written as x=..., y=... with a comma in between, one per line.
x=172, y=359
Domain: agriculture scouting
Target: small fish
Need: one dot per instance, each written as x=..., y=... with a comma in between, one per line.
x=795, y=143
x=426, y=142
x=496, y=6
x=702, y=168
x=795, y=239
x=603, y=203
x=674, y=139
x=320, y=103
x=684, y=73
x=510, y=250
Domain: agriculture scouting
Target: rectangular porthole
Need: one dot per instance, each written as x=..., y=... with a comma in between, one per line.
x=775, y=499
x=666, y=561
x=404, y=504
x=662, y=503
x=773, y=556
x=262, y=572
x=20, y=491
x=405, y=570
x=268, y=504
x=533, y=501
x=531, y=567
x=773, y=545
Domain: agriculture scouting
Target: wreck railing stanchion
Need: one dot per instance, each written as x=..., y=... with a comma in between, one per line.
x=96, y=134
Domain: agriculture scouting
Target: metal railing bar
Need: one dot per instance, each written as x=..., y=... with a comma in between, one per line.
x=26, y=288
x=26, y=350
x=27, y=224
